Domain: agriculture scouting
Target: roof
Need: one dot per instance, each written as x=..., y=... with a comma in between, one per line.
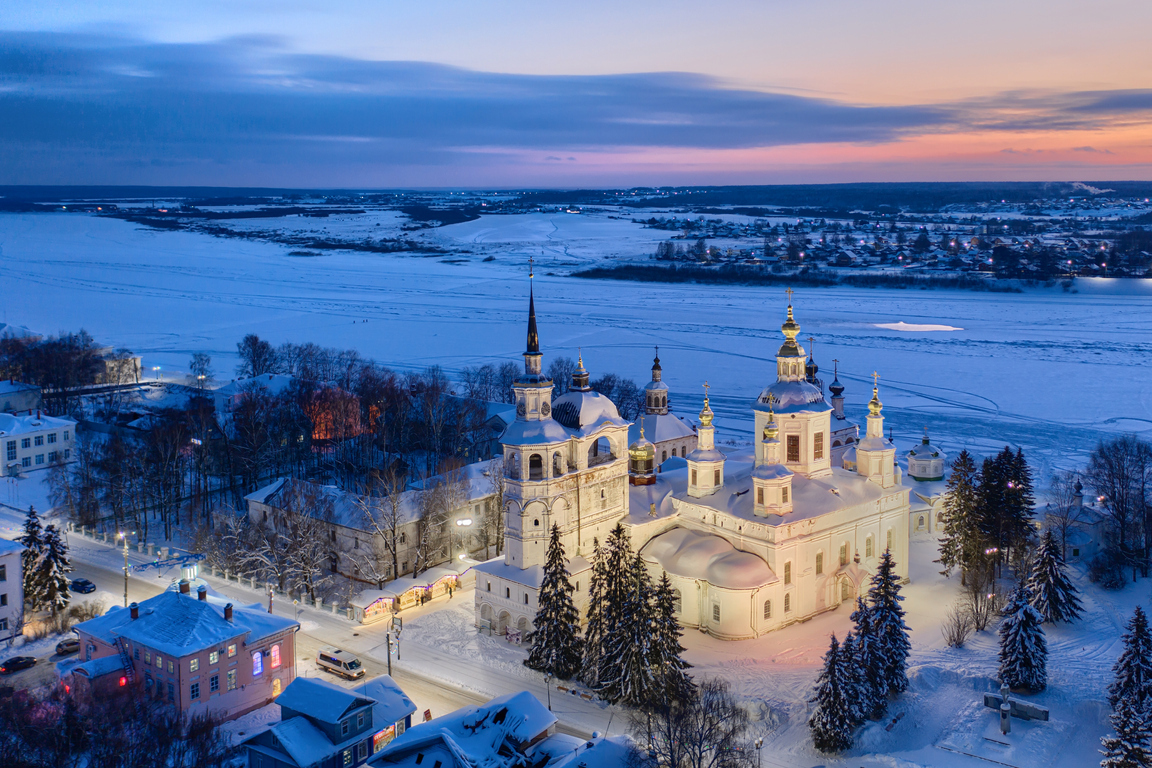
x=337, y=506
x=659, y=427
x=10, y=547
x=542, y=432
x=320, y=699
x=97, y=667
x=792, y=397
x=477, y=475
x=303, y=742
x=427, y=578
x=697, y=555
x=641, y=499
x=533, y=576
x=9, y=387
x=16, y=424
x=177, y=625
x=585, y=411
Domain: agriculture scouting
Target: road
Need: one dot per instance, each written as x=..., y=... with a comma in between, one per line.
x=427, y=693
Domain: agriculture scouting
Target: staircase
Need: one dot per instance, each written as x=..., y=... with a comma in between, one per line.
x=126, y=660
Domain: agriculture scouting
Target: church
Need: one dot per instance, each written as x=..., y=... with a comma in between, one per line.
x=752, y=541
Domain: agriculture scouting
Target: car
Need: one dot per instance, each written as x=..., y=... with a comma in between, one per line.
x=68, y=645
x=17, y=663
x=83, y=586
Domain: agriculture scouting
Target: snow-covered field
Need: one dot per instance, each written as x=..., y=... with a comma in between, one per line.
x=1048, y=370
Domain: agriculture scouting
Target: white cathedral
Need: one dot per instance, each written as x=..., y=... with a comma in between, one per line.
x=752, y=542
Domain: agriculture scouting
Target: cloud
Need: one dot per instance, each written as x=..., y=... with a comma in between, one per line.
x=1093, y=150
x=90, y=109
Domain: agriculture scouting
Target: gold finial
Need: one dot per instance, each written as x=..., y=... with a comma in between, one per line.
x=770, y=429
x=530, y=269
x=579, y=357
x=706, y=391
x=789, y=292
x=875, y=380
x=874, y=404
x=706, y=412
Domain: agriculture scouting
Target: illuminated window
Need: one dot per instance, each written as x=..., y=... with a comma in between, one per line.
x=275, y=656
x=193, y=665
x=231, y=679
x=793, y=447
x=159, y=662
x=214, y=657
x=818, y=446
x=276, y=687
x=257, y=663
x=231, y=650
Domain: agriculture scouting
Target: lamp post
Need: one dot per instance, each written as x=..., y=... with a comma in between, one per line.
x=124, y=536
x=156, y=372
x=758, y=743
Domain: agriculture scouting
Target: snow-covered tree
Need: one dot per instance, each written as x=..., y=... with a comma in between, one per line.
x=874, y=693
x=33, y=542
x=54, y=569
x=672, y=681
x=615, y=585
x=556, y=639
x=1023, y=648
x=628, y=674
x=1131, y=747
x=960, y=542
x=1133, y=669
x=832, y=722
x=888, y=628
x=1053, y=594
x=594, y=629
x=857, y=689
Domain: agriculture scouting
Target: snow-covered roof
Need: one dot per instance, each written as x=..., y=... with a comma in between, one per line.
x=479, y=482
x=25, y=424
x=696, y=555
x=10, y=547
x=9, y=387
x=542, y=432
x=341, y=507
x=97, y=667
x=792, y=397
x=532, y=576
x=642, y=498
x=585, y=411
x=301, y=740
x=659, y=427
x=320, y=699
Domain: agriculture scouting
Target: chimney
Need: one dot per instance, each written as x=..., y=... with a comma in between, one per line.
x=134, y=608
x=228, y=612
x=202, y=593
x=184, y=586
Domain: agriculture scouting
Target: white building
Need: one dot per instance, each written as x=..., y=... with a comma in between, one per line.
x=669, y=434
x=751, y=541
x=16, y=396
x=35, y=441
x=11, y=591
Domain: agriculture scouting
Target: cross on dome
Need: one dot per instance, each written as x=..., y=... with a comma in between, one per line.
x=789, y=292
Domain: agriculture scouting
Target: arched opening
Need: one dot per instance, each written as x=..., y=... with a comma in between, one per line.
x=677, y=602
x=502, y=622
x=485, y=612
x=600, y=452
x=535, y=467
x=836, y=443
x=846, y=590
x=522, y=624
x=767, y=609
x=849, y=440
x=557, y=464
x=536, y=523
x=512, y=466
x=663, y=456
x=819, y=563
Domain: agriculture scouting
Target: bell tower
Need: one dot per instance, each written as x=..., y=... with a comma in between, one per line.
x=875, y=456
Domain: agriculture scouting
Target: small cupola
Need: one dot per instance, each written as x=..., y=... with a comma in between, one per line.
x=642, y=461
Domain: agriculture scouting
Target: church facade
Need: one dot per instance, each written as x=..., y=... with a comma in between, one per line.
x=752, y=541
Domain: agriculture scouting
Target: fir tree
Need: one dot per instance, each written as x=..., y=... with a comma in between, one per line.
x=672, y=681
x=873, y=692
x=1021, y=501
x=856, y=686
x=33, y=543
x=1131, y=747
x=1023, y=648
x=888, y=627
x=1053, y=594
x=594, y=629
x=54, y=570
x=1133, y=669
x=615, y=588
x=556, y=639
x=960, y=543
x=628, y=676
x=832, y=720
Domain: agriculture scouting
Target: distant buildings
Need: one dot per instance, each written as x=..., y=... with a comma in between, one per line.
x=11, y=591
x=199, y=653
x=35, y=441
x=16, y=396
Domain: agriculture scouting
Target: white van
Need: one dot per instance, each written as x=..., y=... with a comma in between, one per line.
x=339, y=662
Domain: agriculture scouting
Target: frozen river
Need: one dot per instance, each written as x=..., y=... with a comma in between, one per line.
x=1048, y=370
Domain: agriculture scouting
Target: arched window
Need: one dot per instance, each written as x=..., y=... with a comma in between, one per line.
x=836, y=443
x=868, y=548
x=257, y=663
x=767, y=609
x=889, y=540
x=536, y=522
x=535, y=467
x=920, y=523
x=819, y=563
x=787, y=603
x=788, y=573
x=677, y=601
x=664, y=455
x=275, y=656
x=843, y=554
x=715, y=611
x=403, y=538
x=557, y=464
x=600, y=452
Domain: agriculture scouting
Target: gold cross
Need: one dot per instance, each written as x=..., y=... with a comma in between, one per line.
x=705, y=390
x=789, y=292
x=875, y=379
x=771, y=400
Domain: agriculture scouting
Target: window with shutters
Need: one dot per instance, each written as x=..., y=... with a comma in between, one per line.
x=793, y=447
x=818, y=446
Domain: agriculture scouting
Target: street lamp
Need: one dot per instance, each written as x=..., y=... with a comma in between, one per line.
x=758, y=743
x=156, y=372
x=124, y=535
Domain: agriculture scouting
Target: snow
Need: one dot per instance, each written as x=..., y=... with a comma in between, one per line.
x=917, y=327
x=696, y=555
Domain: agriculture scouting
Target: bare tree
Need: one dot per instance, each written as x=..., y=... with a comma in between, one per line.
x=979, y=599
x=492, y=524
x=384, y=514
x=200, y=373
x=957, y=626
x=1120, y=470
x=505, y=375
x=440, y=499
x=257, y=357
x=1065, y=511
x=709, y=730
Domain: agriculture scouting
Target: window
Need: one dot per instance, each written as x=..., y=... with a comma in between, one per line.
x=3, y=625
x=362, y=750
x=275, y=656
x=4, y=599
x=843, y=554
x=536, y=522
x=231, y=650
x=39, y=458
x=759, y=495
x=360, y=720
x=489, y=586
x=348, y=757
x=214, y=684
x=920, y=523
x=195, y=691
x=11, y=450
x=535, y=467
x=715, y=611
x=171, y=692
x=53, y=456
x=677, y=600
x=67, y=453
x=525, y=598
x=819, y=563
x=39, y=440
x=343, y=727
x=214, y=657
x=26, y=461
x=693, y=477
x=767, y=609
x=664, y=455
x=3, y=573
x=66, y=438
x=868, y=547
x=257, y=663
x=784, y=495
x=715, y=477
x=231, y=679
x=26, y=443
x=52, y=438
x=787, y=603
x=193, y=665
x=171, y=668
x=793, y=448
x=788, y=573
x=889, y=540
x=147, y=658
x=1075, y=551
x=818, y=446
x=159, y=662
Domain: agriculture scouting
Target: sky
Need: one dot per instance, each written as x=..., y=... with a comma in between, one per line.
x=442, y=93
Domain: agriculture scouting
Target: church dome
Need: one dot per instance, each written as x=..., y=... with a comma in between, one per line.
x=811, y=369
x=792, y=397
x=642, y=450
x=577, y=410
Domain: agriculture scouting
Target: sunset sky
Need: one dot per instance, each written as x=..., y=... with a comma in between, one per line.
x=443, y=93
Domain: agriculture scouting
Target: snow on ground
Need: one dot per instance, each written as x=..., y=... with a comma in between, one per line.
x=914, y=327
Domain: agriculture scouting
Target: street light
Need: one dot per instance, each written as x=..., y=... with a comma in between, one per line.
x=758, y=743
x=156, y=372
x=124, y=535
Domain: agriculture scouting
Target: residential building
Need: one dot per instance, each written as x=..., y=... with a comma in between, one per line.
x=11, y=591
x=199, y=653
x=16, y=396
x=32, y=440
x=325, y=726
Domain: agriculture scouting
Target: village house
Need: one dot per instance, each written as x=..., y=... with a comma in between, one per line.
x=33, y=440
x=11, y=591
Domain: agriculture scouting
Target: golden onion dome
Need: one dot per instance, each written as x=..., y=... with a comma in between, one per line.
x=706, y=414
x=642, y=450
x=771, y=431
x=874, y=405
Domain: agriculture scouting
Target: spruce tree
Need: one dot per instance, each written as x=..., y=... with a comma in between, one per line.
x=1021, y=501
x=1133, y=669
x=33, y=543
x=1131, y=747
x=1023, y=648
x=874, y=692
x=594, y=629
x=615, y=587
x=832, y=720
x=960, y=543
x=856, y=687
x=672, y=681
x=556, y=639
x=888, y=627
x=628, y=674
x=1053, y=594
x=54, y=570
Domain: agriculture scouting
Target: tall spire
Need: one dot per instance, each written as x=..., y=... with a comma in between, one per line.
x=533, y=335
x=656, y=369
x=790, y=329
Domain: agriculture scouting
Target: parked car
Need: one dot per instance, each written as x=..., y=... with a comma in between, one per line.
x=339, y=662
x=68, y=645
x=17, y=663
x=83, y=586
